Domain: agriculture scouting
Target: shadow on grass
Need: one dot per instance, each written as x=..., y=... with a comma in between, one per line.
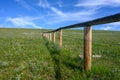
x=55, y=53
x=74, y=63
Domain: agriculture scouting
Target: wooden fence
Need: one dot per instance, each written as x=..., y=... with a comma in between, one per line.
x=51, y=35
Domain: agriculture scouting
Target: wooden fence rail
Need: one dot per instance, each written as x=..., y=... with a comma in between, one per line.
x=87, y=35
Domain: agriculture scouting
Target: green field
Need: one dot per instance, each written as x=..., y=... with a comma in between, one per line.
x=26, y=55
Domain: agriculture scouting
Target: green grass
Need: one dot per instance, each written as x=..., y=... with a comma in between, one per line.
x=26, y=55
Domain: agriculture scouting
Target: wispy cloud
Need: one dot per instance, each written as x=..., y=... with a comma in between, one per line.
x=115, y=24
x=107, y=28
x=79, y=16
x=110, y=26
x=46, y=4
x=43, y=4
x=24, y=4
x=98, y=3
x=60, y=16
x=88, y=12
x=23, y=22
x=57, y=11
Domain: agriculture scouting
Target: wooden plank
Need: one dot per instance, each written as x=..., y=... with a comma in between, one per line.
x=87, y=48
x=60, y=37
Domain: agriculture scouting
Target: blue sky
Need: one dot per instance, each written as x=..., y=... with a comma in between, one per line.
x=52, y=14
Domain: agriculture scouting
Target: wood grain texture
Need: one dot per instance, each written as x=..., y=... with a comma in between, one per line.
x=87, y=48
x=60, y=37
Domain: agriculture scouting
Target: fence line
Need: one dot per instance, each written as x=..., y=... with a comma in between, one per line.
x=87, y=35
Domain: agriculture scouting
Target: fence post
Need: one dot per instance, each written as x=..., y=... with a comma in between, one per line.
x=53, y=37
x=50, y=36
x=47, y=35
x=87, y=47
x=60, y=37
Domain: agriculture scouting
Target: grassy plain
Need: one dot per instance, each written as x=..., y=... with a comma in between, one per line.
x=26, y=55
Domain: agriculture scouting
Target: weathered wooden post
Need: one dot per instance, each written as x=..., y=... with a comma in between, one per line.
x=87, y=47
x=53, y=37
x=44, y=35
x=50, y=36
x=60, y=37
x=47, y=34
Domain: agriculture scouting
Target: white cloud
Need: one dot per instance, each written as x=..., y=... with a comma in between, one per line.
x=98, y=3
x=80, y=16
x=43, y=3
x=57, y=11
x=111, y=26
x=61, y=16
x=115, y=24
x=91, y=8
x=46, y=4
x=82, y=13
x=24, y=4
x=23, y=22
x=107, y=28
